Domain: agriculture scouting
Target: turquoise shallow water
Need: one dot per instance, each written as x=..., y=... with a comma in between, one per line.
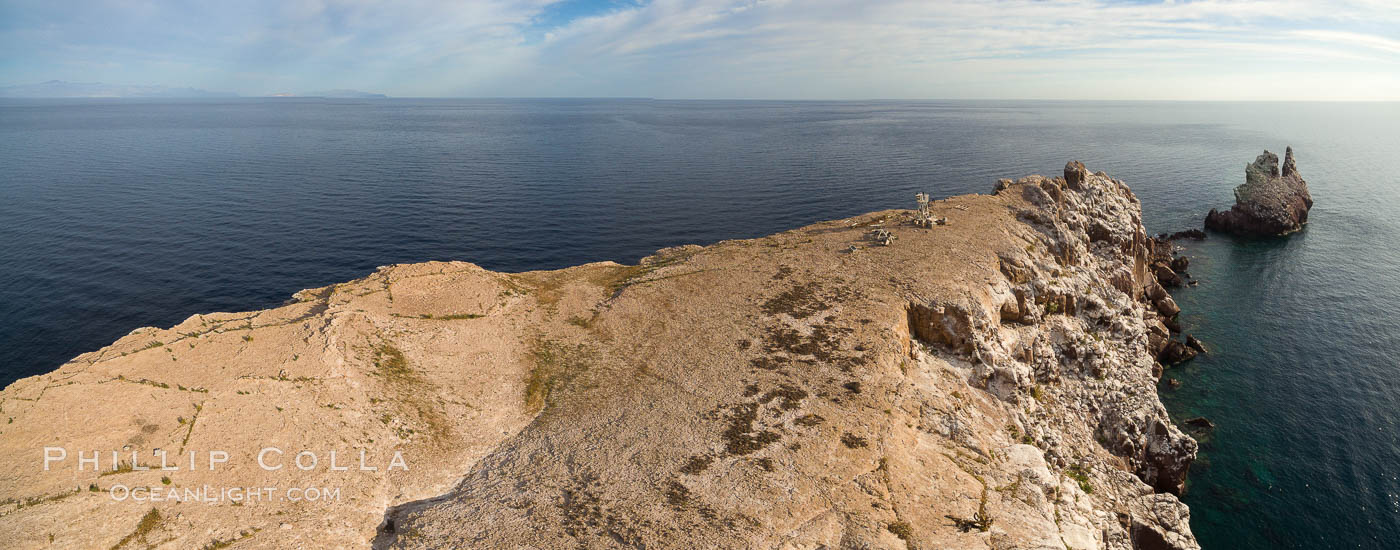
x=119, y=214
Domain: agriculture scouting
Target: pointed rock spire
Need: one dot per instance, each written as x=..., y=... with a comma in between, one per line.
x=1288, y=167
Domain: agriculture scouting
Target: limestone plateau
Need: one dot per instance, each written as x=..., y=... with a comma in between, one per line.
x=1269, y=203
x=986, y=381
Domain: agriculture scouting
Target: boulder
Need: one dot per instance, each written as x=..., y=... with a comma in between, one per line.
x=1166, y=276
x=1195, y=234
x=1200, y=422
x=1180, y=263
x=1075, y=172
x=1157, y=337
x=1269, y=202
x=1176, y=352
x=1166, y=306
x=1195, y=344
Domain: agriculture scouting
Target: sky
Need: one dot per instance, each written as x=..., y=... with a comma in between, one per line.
x=719, y=49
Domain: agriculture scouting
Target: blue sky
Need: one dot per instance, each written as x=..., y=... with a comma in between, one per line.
x=781, y=49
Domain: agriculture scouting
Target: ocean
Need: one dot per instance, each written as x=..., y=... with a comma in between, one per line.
x=117, y=214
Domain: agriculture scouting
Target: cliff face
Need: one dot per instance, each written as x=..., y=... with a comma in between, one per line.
x=984, y=382
x=1269, y=202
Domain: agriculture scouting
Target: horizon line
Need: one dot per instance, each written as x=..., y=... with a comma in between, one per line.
x=697, y=99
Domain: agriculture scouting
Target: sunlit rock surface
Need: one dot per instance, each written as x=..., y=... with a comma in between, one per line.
x=984, y=382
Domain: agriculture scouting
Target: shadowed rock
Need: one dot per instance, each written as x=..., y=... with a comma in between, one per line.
x=1075, y=172
x=1177, y=352
x=1166, y=276
x=1194, y=234
x=1195, y=344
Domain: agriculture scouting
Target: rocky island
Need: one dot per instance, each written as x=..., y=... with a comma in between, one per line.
x=988, y=380
x=1269, y=203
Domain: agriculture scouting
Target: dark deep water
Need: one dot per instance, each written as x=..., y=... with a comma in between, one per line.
x=121, y=214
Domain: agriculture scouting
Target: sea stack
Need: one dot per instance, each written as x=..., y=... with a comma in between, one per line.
x=1269, y=203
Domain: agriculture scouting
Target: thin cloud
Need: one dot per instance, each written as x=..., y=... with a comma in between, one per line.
x=718, y=48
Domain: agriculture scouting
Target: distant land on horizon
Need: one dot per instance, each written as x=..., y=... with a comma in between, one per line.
x=57, y=89
x=65, y=89
x=334, y=94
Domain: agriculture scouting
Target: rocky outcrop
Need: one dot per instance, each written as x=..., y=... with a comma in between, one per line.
x=985, y=383
x=1269, y=202
x=1193, y=234
x=1168, y=269
x=1200, y=422
x=1075, y=174
x=1176, y=352
x=1195, y=344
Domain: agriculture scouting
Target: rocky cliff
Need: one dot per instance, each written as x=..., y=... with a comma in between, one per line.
x=1269, y=202
x=986, y=382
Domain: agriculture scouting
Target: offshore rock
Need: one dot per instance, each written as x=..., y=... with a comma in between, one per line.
x=1180, y=263
x=1269, y=202
x=1194, y=234
x=779, y=392
x=1195, y=344
x=1177, y=352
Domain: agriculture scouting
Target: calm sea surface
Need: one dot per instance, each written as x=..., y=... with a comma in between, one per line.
x=121, y=214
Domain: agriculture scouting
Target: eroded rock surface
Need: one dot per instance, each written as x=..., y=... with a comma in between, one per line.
x=986, y=383
x=1269, y=202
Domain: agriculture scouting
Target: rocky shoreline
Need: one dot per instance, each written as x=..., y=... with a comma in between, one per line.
x=988, y=379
